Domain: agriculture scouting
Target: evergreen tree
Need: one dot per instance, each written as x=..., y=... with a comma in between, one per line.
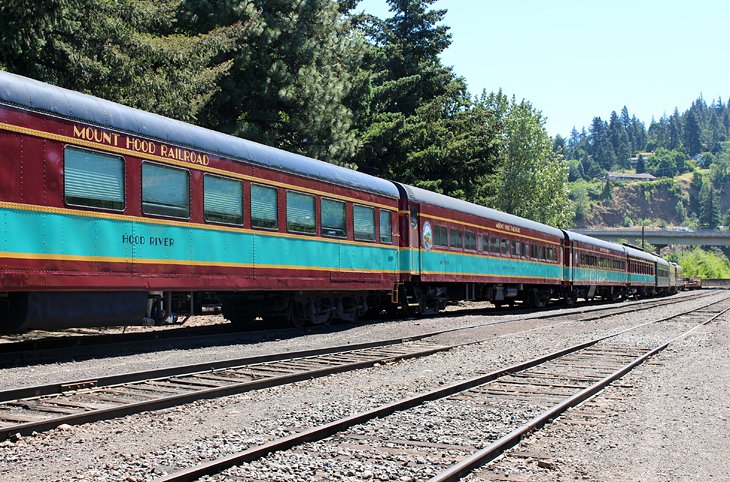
x=600, y=144
x=413, y=39
x=607, y=192
x=628, y=128
x=638, y=135
x=675, y=131
x=591, y=169
x=573, y=145
x=658, y=134
x=290, y=80
x=619, y=140
x=134, y=53
x=709, y=216
x=421, y=125
x=692, y=134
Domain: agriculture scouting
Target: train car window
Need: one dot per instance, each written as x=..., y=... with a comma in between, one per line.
x=300, y=213
x=222, y=200
x=549, y=254
x=455, y=238
x=470, y=241
x=93, y=179
x=525, y=250
x=386, y=227
x=506, y=247
x=334, y=222
x=485, y=243
x=165, y=191
x=264, y=207
x=494, y=245
x=541, y=252
x=364, y=220
x=437, y=239
x=515, y=249
x=533, y=251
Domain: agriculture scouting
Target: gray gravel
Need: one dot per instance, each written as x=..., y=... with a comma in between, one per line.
x=147, y=445
x=667, y=420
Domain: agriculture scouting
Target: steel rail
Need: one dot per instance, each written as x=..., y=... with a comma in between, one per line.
x=11, y=352
x=495, y=449
x=40, y=398
x=326, y=430
x=110, y=380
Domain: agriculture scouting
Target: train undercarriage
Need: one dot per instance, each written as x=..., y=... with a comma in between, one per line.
x=54, y=310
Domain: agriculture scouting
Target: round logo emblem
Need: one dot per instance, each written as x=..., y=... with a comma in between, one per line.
x=427, y=236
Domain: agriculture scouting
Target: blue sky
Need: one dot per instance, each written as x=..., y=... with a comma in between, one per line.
x=575, y=60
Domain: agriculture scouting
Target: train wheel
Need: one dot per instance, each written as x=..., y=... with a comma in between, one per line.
x=536, y=299
x=294, y=317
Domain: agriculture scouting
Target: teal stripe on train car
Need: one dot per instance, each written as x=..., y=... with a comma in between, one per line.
x=461, y=264
x=406, y=262
x=52, y=234
x=598, y=275
x=642, y=278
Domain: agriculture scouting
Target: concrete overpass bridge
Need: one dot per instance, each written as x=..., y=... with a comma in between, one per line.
x=661, y=237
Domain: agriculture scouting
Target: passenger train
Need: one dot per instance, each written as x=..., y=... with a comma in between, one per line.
x=114, y=216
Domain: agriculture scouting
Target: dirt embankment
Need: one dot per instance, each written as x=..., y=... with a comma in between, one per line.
x=663, y=203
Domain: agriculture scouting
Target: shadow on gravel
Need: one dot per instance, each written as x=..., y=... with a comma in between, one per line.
x=64, y=348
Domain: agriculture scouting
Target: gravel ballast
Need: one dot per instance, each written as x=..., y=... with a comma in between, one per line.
x=147, y=445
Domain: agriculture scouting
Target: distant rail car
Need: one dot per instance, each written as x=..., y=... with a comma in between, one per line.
x=114, y=216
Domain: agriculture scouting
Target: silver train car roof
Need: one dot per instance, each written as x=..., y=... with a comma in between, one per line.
x=38, y=96
x=595, y=241
x=637, y=253
x=427, y=197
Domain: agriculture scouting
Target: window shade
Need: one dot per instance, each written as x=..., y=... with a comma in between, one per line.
x=364, y=221
x=333, y=218
x=93, y=179
x=386, y=226
x=165, y=191
x=300, y=216
x=264, y=210
x=223, y=200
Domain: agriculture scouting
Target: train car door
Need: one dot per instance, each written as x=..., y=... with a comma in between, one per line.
x=568, y=262
x=414, y=228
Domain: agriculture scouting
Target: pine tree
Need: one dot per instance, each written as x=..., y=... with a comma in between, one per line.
x=709, y=216
x=134, y=53
x=600, y=144
x=628, y=128
x=420, y=114
x=291, y=78
x=693, y=134
x=619, y=140
x=675, y=131
x=638, y=135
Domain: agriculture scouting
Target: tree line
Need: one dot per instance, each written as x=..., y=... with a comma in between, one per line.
x=316, y=77
x=698, y=133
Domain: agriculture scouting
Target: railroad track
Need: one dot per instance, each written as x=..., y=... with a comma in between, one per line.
x=467, y=424
x=43, y=407
x=86, y=346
